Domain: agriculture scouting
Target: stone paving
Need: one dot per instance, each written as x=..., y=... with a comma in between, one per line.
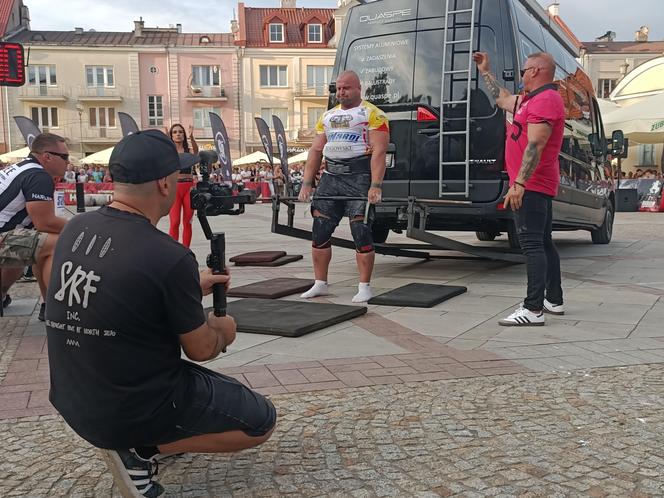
x=376, y=407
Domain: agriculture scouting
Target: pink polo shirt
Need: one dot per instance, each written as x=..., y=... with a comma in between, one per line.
x=544, y=105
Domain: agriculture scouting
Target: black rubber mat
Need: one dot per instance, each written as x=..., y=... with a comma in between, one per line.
x=257, y=257
x=273, y=288
x=418, y=295
x=288, y=318
x=284, y=260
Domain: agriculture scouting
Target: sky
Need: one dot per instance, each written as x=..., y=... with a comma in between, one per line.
x=200, y=16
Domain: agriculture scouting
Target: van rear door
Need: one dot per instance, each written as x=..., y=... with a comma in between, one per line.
x=487, y=125
x=379, y=45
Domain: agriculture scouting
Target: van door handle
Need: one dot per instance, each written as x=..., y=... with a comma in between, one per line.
x=429, y=132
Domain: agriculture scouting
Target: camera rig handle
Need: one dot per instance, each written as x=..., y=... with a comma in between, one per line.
x=216, y=262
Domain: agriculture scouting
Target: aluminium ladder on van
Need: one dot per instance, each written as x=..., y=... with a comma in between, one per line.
x=451, y=45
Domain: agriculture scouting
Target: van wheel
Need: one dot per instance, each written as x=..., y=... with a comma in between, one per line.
x=486, y=236
x=603, y=234
x=513, y=236
x=380, y=233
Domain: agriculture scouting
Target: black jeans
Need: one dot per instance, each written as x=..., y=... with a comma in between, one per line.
x=534, y=225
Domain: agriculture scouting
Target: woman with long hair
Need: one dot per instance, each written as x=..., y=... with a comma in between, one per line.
x=181, y=208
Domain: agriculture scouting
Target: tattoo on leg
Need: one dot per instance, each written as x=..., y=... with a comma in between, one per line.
x=494, y=87
x=530, y=161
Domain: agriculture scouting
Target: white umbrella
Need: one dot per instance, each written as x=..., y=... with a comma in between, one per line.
x=253, y=158
x=641, y=122
x=101, y=157
x=15, y=155
x=299, y=158
x=607, y=106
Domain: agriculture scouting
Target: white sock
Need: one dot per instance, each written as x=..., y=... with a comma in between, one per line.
x=364, y=293
x=319, y=288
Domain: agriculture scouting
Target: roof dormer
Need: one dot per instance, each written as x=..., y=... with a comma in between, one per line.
x=313, y=30
x=275, y=29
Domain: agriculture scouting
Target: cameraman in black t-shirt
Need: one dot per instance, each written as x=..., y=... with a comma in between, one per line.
x=124, y=300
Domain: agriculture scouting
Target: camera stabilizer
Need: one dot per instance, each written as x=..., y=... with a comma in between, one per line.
x=213, y=199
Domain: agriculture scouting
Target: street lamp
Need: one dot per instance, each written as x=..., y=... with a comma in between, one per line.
x=79, y=108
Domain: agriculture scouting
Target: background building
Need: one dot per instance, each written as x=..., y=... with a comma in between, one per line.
x=286, y=60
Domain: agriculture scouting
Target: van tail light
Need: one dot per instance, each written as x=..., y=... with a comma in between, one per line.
x=424, y=114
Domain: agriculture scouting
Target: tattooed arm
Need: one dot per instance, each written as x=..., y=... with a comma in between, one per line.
x=538, y=136
x=504, y=99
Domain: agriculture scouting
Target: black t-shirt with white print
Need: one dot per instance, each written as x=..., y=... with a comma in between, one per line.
x=120, y=293
x=21, y=183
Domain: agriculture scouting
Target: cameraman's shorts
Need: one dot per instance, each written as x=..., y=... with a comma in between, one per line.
x=350, y=185
x=20, y=247
x=214, y=403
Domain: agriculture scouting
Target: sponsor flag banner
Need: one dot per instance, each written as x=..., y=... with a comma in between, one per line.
x=222, y=145
x=282, y=145
x=28, y=129
x=127, y=124
x=266, y=138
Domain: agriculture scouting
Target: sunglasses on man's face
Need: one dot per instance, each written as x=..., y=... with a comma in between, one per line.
x=60, y=155
x=523, y=71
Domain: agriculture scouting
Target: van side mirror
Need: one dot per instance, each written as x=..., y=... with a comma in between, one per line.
x=617, y=144
x=598, y=148
x=332, y=87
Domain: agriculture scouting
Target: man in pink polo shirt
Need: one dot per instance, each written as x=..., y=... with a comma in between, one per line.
x=531, y=155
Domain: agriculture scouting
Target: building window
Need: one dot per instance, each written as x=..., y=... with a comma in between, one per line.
x=102, y=117
x=45, y=117
x=202, y=117
x=155, y=110
x=313, y=115
x=42, y=75
x=99, y=76
x=318, y=78
x=315, y=33
x=205, y=75
x=646, y=155
x=280, y=112
x=276, y=33
x=273, y=76
x=605, y=87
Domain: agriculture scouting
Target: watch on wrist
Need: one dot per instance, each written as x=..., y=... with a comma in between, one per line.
x=376, y=185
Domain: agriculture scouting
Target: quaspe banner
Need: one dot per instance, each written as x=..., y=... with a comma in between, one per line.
x=28, y=129
x=127, y=124
x=266, y=138
x=222, y=145
x=282, y=145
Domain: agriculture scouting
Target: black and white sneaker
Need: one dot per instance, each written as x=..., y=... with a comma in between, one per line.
x=554, y=309
x=133, y=474
x=523, y=317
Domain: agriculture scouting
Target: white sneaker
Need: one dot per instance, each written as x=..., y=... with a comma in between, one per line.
x=554, y=309
x=523, y=317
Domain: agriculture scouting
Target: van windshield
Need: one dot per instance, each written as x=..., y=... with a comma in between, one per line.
x=385, y=67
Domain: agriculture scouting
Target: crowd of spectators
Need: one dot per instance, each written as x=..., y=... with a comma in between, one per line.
x=93, y=174
x=648, y=174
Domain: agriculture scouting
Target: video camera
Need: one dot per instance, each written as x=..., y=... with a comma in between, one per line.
x=213, y=199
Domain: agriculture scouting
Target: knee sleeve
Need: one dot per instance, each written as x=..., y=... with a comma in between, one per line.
x=322, y=232
x=362, y=236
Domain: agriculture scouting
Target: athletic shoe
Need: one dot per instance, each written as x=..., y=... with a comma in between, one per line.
x=6, y=301
x=132, y=474
x=42, y=310
x=554, y=309
x=523, y=317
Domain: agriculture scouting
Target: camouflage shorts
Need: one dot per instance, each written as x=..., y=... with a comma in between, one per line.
x=20, y=247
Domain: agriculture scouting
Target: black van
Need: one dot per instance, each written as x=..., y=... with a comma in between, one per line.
x=398, y=49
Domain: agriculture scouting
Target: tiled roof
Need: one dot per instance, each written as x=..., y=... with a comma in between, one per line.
x=624, y=47
x=118, y=38
x=5, y=12
x=254, y=19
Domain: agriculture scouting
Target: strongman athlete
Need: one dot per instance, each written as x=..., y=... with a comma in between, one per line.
x=353, y=138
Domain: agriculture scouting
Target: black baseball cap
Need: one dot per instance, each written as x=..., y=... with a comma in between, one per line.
x=145, y=156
